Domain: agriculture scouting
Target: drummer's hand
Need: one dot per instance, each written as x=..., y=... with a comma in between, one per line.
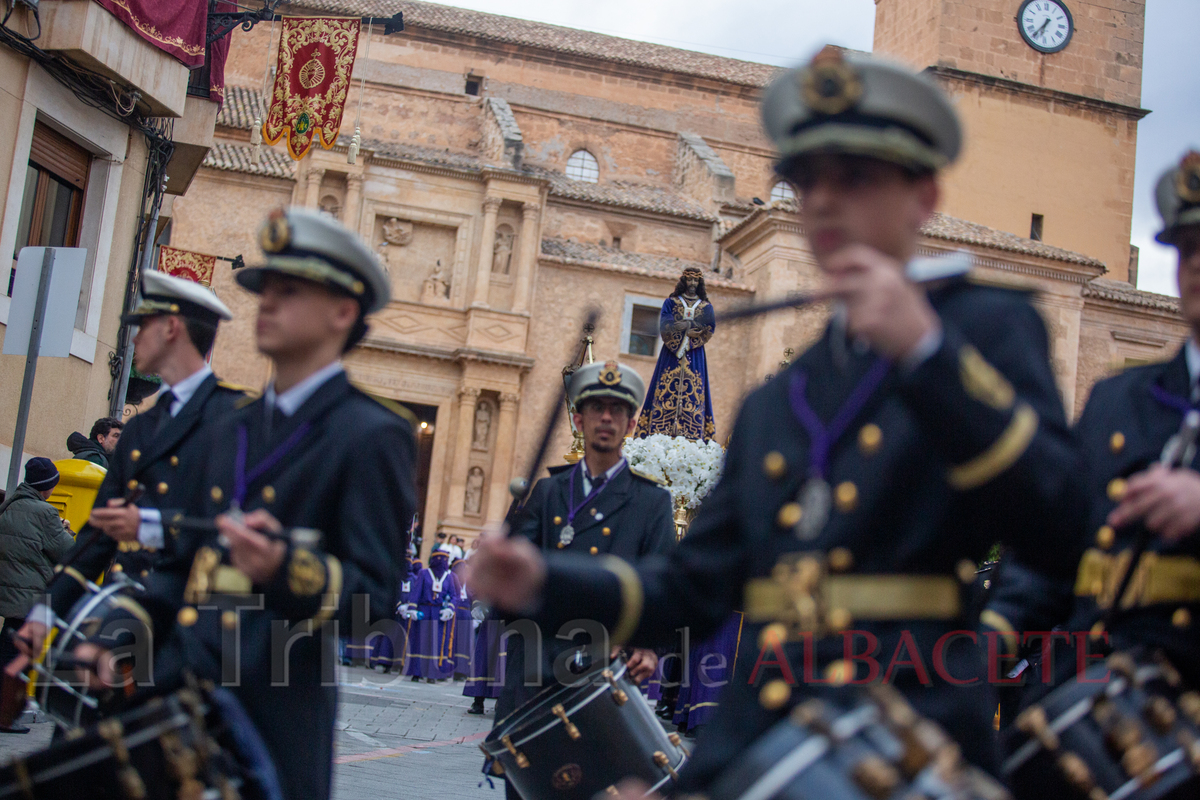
x=119, y=521
x=103, y=676
x=641, y=664
x=882, y=306
x=506, y=572
x=1167, y=501
x=257, y=556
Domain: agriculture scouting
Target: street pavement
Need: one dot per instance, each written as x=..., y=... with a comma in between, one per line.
x=394, y=739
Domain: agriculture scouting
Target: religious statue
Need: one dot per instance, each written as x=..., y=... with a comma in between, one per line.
x=473, y=501
x=483, y=426
x=502, y=250
x=437, y=285
x=678, y=402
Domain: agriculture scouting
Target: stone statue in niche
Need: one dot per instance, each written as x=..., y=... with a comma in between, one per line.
x=437, y=286
x=398, y=232
x=503, y=249
x=473, y=501
x=483, y=426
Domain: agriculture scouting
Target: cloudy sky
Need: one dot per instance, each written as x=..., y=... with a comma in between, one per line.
x=785, y=31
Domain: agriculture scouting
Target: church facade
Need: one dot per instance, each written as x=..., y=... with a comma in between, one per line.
x=515, y=174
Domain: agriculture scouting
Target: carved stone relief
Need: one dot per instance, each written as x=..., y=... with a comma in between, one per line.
x=397, y=232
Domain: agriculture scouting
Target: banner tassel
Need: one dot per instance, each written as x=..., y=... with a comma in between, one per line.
x=355, y=144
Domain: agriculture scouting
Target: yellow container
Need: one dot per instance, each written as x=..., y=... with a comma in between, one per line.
x=78, y=484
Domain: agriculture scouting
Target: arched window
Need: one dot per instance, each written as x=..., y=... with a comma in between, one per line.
x=582, y=166
x=782, y=191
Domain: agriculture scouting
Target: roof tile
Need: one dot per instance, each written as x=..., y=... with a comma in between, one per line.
x=1119, y=292
x=241, y=106
x=239, y=158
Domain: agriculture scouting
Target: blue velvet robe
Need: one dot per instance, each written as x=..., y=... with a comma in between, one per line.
x=678, y=401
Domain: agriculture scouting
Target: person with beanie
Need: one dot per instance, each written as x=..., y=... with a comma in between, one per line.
x=32, y=540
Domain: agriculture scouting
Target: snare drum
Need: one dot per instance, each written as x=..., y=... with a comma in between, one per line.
x=61, y=694
x=1135, y=736
x=186, y=746
x=874, y=747
x=572, y=742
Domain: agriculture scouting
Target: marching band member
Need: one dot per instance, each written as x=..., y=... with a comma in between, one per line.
x=598, y=508
x=863, y=484
x=160, y=448
x=313, y=486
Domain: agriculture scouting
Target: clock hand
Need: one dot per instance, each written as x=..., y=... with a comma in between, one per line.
x=1042, y=29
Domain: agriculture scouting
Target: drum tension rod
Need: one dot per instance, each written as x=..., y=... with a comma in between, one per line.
x=522, y=761
x=618, y=694
x=561, y=713
x=661, y=759
x=677, y=740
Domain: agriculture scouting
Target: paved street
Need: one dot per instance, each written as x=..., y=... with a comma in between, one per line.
x=395, y=739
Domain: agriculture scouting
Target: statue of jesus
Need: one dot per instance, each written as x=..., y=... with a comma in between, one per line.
x=678, y=402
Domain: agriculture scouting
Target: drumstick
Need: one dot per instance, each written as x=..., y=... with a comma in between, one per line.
x=132, y=495
x=520, y=486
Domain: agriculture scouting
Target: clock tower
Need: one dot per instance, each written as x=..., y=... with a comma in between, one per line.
x=1049, y=92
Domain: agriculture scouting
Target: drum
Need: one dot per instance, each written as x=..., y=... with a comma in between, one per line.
x=190, y=745
x=572, y=742
x=61, y=694
x=873, y=747
x=1132, y=736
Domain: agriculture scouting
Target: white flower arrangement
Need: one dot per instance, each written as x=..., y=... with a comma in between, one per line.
x=690, y=469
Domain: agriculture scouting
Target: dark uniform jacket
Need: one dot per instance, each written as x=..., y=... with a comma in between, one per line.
x=1123, y=430
x=167, y=462
x=630, y=519
x=968, y=448
x=342, y=465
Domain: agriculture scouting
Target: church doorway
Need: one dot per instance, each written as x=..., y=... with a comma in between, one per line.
x=426, y=416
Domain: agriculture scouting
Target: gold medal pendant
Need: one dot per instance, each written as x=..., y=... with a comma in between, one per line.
x=566, y=535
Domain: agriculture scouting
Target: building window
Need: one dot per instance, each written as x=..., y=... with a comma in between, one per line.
x=1035, y=227
x=782, y=191
x=52, y=204
x=582, y=166
x=640, y=326
x=474, y=85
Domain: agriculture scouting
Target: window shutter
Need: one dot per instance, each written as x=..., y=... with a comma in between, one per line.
x=59, y=155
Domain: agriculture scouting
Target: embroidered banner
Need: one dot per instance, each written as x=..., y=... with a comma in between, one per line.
x=312, y=80
x=178, y=29
x=186, y=264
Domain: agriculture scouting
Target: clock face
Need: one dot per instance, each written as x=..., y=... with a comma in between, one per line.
x=1046, y=25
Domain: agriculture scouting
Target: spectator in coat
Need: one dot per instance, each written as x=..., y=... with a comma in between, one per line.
x=97, y=446
x=32, y=540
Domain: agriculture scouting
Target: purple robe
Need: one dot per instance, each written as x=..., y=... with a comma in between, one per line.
x=710, y=670
x=487, y=664
x=383, y=652
x=430, y=640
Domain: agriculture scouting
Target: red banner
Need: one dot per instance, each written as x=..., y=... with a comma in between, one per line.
x=312, y=80
x=178, y=29
x=186, y=264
